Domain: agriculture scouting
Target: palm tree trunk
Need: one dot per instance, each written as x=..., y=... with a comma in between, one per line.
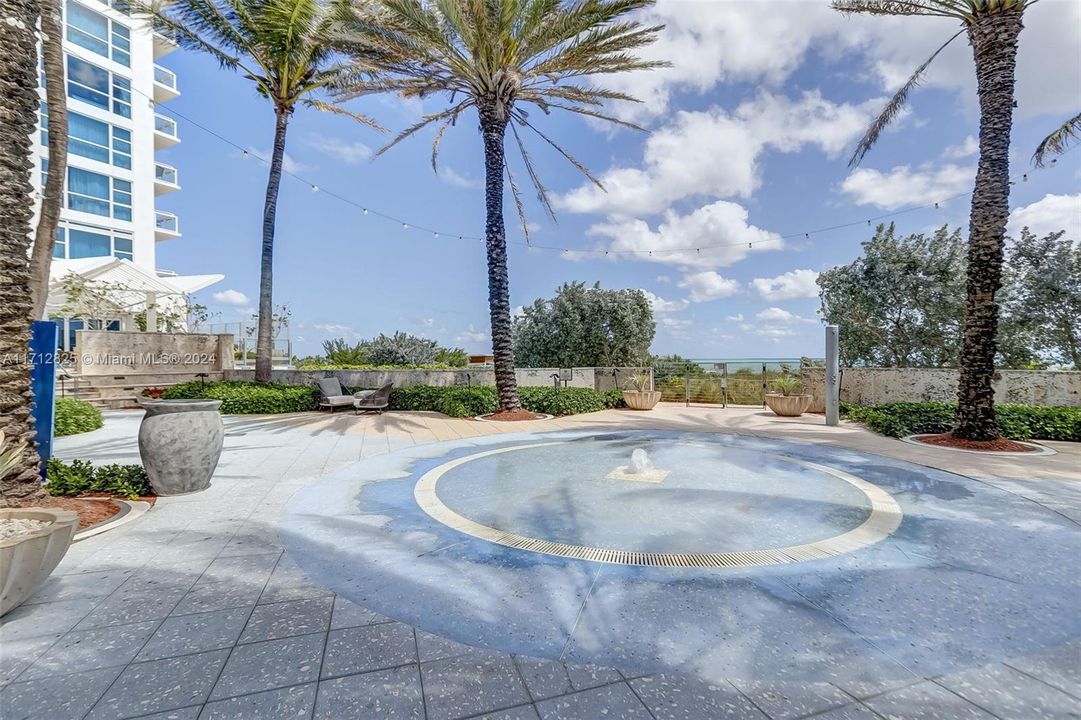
x=264, y=341
x=18, y=117
x=994, y=47
x=53, y=193
x=493, y=127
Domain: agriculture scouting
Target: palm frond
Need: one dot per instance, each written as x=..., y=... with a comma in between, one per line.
x=570, y=158
x=894, y=106
x=339, y=110
x=960, y=9
x=542, y=192
x=518, y=205
x=423, y=123
x=1057, y=142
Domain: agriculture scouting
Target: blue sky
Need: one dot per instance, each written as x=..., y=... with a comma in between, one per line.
x=749, y=137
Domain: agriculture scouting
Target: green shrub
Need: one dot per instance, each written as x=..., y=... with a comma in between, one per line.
x=1017, y=422
x=480, y=400
x=81, y=478
x=247, y=398
x=75, y=416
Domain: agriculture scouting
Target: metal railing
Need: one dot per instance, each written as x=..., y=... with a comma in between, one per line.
x=166, y=221
x=244, y=342
x=164, y=76
x=165, y=125
x=721, y=382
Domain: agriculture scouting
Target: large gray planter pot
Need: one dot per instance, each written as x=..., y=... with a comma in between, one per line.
x=26, y=560
x=788, y=405
x=180, y=443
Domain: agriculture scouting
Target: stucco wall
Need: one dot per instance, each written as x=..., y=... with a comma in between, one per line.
x=121, y=353
x=598, y=378
x=869, y=386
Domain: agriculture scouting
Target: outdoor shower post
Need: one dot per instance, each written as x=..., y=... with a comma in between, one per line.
x=833, y=395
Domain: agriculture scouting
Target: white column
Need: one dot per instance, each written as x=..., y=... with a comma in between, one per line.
x=151, y=311
x=833, y=387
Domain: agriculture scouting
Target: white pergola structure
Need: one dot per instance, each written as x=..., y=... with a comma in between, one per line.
x=112, y=291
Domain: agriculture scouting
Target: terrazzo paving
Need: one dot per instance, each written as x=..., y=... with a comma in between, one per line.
x=198, y=611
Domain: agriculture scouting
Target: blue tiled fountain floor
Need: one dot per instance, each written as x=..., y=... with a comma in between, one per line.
x=973, y=575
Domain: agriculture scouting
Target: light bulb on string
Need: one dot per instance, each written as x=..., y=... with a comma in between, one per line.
x=365, y=211
x=244, y=155
x=936, y=206
x=315, y=188
x=405, y=226
x=1024, y=178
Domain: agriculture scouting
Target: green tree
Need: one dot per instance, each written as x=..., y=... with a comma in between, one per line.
x=585, y=327
x=19, y=482
x=1042, y=301
x=497, y=57
x=401, y=349
x=901, y=304
x=993, y=28
x=283, y=47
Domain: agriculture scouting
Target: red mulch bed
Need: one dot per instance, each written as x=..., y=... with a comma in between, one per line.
x=91, y=512
x=512, y=416
x=999, y=445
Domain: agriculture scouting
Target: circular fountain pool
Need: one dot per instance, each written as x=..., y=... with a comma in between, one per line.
x=656, y=501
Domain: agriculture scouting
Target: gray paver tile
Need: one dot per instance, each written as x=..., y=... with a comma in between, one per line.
x=371, y=647
x=123, y=609
x=544, y=678
x=205, y=597
x=82, y=586
x=55, y=619
x=185, y=634
x=674, y=697
x=188, y=713
x=281, y=704
x=855, y=711
x=251, y=569
x=616, y=702
x=1059, y=666
x=925, y=701
x=1009, y=694
x=522, y=712
x=151, y=687
x=471, y=684
x=784, y=700
x=434, y=647
x=17, y=655
x=92, y=649
x=348, y=614
x=393, y=694
x=295, y=617
x=271, y=664
x=60, y=696
x=289, y=582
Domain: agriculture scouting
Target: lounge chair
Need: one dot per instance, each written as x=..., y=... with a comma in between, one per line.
x=374, y=401
x=333, y=397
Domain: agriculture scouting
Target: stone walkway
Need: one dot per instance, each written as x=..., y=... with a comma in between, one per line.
x=194, y=610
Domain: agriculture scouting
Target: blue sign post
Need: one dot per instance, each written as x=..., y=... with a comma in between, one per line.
x=44, y=337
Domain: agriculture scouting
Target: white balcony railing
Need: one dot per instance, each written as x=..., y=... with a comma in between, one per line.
x=166, y=224
x=165, y=126
x=164, y=76
x=165, y=173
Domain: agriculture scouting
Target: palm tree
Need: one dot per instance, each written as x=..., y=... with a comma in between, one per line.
x=1057, y=142
x=992, y=27
x=281, y=46
x=18, y=118
x=496, y=57
x=52, y=53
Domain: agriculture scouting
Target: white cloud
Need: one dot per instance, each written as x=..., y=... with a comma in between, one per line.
x=1049, y=214
x=450, y=177
x=708, y=285
x=761, y=42
x=722, y=225
x=663, y=279
x=351, y=153
x=775, y=323
x=231, y=297
x=787, y=286
x=967, y=148
x=427, y=322
x=738, y=317
x=660, y=305
x=715, y=153
x=289, y=165
x=677, y=327
x=780, y=315
x=472, y=335
x=903, y=186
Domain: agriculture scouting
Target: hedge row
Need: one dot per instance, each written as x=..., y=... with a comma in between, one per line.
x=246, y=398
x=81, y=478
x=75, y=416
x=239, y=397
x=1017, y=422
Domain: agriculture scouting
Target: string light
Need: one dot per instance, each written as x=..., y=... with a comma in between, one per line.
x=245, y=154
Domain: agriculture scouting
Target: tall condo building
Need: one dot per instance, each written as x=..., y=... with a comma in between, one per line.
x=120, y=168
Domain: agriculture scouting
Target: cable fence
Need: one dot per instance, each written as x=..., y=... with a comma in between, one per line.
x=722, y=382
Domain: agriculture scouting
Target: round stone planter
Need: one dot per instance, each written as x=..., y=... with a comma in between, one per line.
x=26, y=560
x=641, y=399
x=788, y=405
x=180, y=442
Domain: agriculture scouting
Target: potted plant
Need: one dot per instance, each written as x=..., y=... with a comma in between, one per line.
x=154, y=393
x=33, y=540
x=643, y=397
x=788, y=398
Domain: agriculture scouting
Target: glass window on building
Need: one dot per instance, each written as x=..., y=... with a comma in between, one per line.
x=84, y=244
x=98, y=87
x=122, y=247
x=122, y=148
x=89, y=192
x=60, y=247
x=121, y=199
x=44, y=122
x=98, y=34
x=88, y=137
